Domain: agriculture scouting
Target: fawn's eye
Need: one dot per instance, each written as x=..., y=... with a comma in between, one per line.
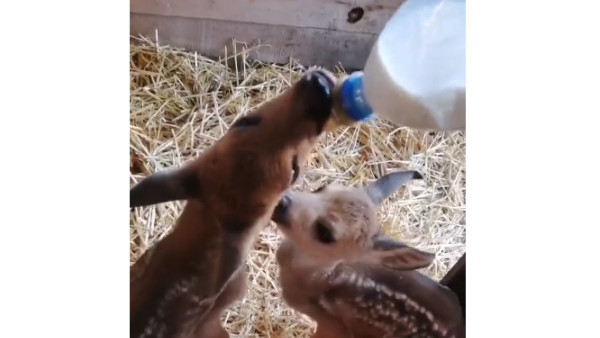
x=323, y=233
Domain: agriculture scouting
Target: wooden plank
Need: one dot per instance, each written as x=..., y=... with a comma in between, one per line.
x=310, y=46
x=324, y=14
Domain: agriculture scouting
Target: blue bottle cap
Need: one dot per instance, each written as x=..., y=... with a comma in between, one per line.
x=352, y=98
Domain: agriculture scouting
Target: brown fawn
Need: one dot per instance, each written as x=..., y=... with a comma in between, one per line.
x=182, y=285
x=338, y=268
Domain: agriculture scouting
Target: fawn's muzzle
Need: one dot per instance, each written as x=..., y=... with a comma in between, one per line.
x=280, y=214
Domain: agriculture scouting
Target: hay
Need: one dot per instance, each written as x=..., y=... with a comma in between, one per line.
x=182, y=102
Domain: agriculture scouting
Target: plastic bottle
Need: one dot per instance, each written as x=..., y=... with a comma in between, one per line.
x=415, y=73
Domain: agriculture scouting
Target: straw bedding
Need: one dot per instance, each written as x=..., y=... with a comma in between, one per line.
x=182, y=102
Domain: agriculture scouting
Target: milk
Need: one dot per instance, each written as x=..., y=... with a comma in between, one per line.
x=415, y=73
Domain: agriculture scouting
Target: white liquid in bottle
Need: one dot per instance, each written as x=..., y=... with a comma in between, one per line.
x=415, y=74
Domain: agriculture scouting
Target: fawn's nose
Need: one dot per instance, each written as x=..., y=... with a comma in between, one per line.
x=280, y=214
x=316, y=95
x=321, y=79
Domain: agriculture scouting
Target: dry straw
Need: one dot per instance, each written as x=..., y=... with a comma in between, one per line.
x=182, y=102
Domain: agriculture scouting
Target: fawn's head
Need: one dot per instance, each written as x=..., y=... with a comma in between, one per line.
x=246, y=172
x=337, y=223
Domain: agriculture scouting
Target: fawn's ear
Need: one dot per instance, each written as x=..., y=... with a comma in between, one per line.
x=385, y=186
x=166, y=186
x=398, y=256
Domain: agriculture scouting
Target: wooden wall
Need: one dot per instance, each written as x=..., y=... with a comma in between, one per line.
x=316, y=32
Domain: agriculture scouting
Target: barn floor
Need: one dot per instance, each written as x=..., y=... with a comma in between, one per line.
x=181, y=103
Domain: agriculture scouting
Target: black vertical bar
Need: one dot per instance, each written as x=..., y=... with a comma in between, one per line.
x=455, y=280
